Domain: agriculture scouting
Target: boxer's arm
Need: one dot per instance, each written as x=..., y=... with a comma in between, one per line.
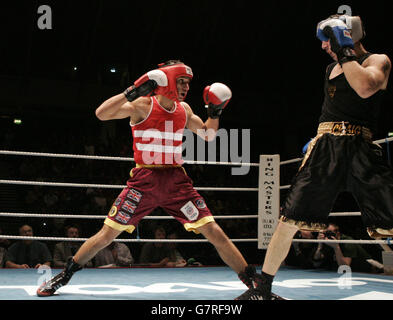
x=13, y=265
x=367, y=80
x=206, y=130
x=118, y=107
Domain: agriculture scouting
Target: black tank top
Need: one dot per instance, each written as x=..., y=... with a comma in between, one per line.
x=342, y=103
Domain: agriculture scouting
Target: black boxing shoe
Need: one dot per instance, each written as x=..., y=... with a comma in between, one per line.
x=49, y=288
x=259, y=292
x=247, y=275
x=259, y=287
x=255, y=294
x=274, y=296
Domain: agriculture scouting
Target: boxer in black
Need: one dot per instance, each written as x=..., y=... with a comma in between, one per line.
x=342, y=156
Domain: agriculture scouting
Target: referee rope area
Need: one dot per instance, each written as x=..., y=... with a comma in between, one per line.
x=80, y=185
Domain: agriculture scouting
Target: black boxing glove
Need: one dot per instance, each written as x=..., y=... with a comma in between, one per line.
x=146, y=84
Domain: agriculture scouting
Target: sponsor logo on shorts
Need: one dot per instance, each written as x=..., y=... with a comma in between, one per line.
x=200, y=203
x=113, y=211
x=129, y=206
x=134, y=195
x=117, y=201
x=122, y=217
x=190, y=211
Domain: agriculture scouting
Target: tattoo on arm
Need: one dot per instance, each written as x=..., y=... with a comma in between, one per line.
x=386, y=66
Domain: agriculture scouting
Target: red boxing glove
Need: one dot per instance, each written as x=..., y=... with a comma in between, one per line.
x=216, y=97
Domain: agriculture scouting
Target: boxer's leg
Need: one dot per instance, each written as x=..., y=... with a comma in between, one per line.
x=277, y=251
x=100, y=240
x=229, y=253
x=224, y=246
x=86, y=252
x=371, y=182
x=279, y=247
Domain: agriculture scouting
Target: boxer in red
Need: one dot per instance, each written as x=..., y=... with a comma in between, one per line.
x=158, y=115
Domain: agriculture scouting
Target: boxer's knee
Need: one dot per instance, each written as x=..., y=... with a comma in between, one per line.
x=106, y=235
x=288, y=224
x=213, y=232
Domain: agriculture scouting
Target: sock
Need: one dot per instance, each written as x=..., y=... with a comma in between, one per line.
x=269, y=278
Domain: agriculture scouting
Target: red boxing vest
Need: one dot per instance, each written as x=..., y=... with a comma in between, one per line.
x=157, y=140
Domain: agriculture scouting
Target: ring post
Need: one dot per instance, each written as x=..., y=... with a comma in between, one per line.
x=268, y=198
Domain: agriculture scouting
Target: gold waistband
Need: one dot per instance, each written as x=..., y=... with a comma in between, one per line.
x=344, y=129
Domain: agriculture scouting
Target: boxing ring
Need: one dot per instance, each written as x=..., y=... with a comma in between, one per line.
x=185, y=283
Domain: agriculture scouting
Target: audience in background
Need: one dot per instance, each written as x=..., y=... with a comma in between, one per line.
x=157, y=254
x=4, y=244
x=66, y=249
x=176, y=257
x=301, y=253
x=27, y=253
x=95, y=200
x=333, y=255
x=117, y=254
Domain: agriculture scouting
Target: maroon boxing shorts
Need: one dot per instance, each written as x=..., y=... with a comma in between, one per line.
x=150, y=187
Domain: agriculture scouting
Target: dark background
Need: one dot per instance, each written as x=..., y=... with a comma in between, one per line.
x=266, y=52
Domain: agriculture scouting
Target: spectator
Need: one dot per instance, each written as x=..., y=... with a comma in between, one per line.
x=176, y=259
x=51, y=199
x=156, y=254
x=27, y=253
x=4, y=243
x=301, y=253
x=115, y=255
x=333, y=255
x=66, y=249
x=3, y=253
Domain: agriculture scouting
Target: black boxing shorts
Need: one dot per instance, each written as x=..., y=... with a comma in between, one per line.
x=339, y=161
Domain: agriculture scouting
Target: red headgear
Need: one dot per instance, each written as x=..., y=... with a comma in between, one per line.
x=173, y=72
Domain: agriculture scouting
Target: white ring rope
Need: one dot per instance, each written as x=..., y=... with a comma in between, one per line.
x=85, y=216
x=116, y=240
x=10, y=237
x=108, y=186
x=63, y=155
x=92, y=157
x=88, y=157
x=345, y=214
x=81, y=216
x=385, y=140
x=290, y=161
x=344, y=241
